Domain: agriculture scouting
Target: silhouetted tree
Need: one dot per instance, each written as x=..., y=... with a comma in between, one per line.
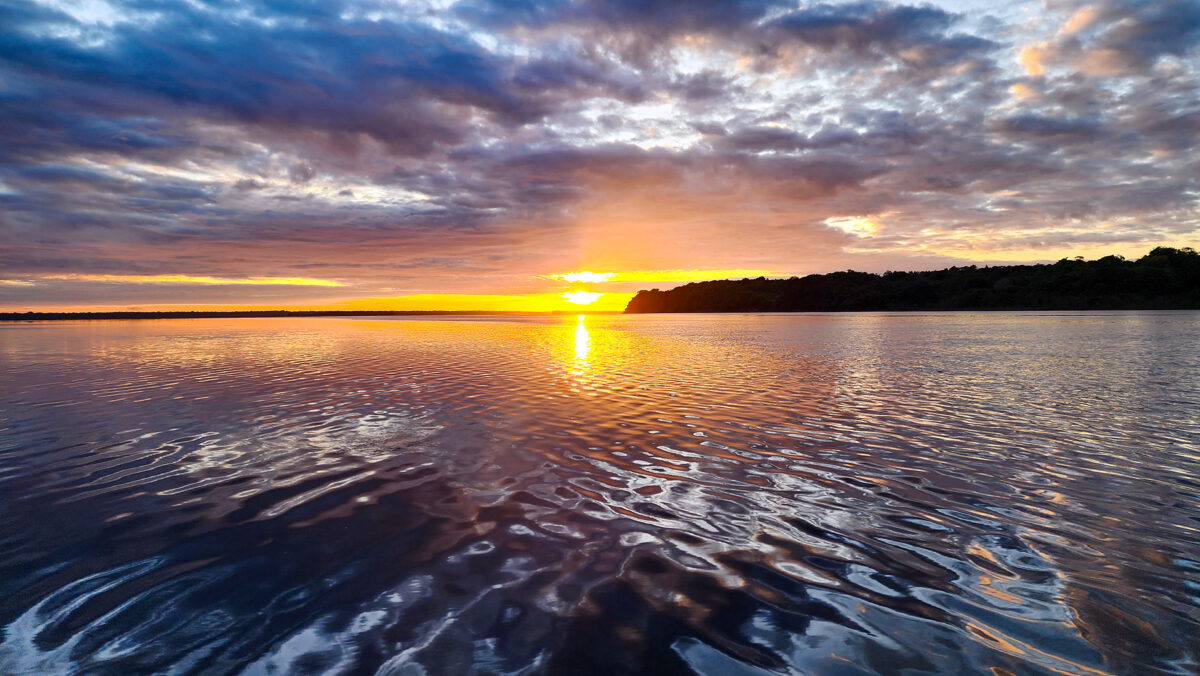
x=1166, y=278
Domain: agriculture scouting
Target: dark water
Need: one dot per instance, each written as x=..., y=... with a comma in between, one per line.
x=850, y=494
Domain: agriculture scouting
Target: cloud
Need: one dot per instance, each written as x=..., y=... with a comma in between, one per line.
x=1044, y=127
x=190, y=279
x=403, y=151
x=1118, y=37
x=656, y=18
x=244, y=184
x=301, y=173
x=917, y=35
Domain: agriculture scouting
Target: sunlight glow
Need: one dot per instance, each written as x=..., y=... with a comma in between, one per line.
x=584, y=276
x=661, y=275
x=430, y=302
x=853, y=225
x=532, y=302
x=689, y=275
x=581, y=297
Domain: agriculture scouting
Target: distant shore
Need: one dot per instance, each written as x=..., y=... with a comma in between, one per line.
x=246, y=314
x=1164, y=279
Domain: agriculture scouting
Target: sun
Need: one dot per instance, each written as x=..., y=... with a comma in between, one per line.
x=580, y=297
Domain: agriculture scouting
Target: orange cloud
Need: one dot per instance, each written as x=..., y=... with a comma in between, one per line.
x=1023, y=92
x=1102, y=62
x=1081, y=19
x=1031, y=57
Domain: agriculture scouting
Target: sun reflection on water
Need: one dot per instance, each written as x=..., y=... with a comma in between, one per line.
x=583, y=341
x=580, y=367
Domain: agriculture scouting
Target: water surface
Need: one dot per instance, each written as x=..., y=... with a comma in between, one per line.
x=715, y=494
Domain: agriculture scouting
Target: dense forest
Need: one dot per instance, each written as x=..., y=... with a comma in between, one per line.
x=1164, y=279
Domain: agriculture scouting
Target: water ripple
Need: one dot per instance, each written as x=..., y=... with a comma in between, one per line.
x=999, y=493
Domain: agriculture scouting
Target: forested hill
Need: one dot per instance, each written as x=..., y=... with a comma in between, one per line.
x=1164, y=279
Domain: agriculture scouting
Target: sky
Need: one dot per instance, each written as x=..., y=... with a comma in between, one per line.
x=478, y=154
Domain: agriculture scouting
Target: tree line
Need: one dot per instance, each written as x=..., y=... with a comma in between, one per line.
x=1164, y=279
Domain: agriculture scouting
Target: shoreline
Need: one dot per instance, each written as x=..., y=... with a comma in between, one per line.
x=256, y=314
